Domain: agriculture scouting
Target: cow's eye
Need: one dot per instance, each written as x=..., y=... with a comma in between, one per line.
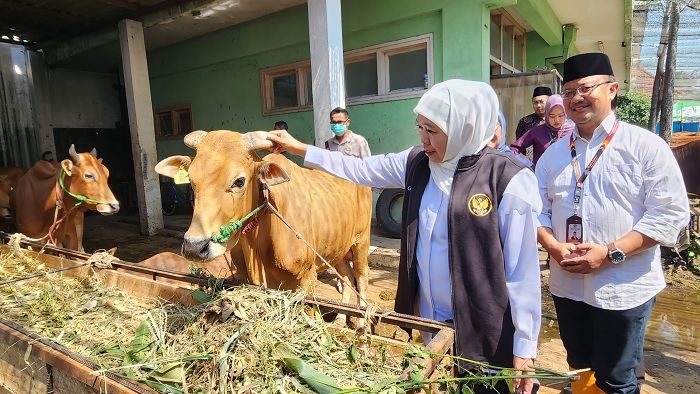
x=238, y=183
x=89, y=176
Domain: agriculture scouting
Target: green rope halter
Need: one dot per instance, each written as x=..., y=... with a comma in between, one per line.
x=232, y=227
x=81, y=199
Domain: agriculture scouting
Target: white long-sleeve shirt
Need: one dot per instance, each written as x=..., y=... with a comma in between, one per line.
x=517, y=214
x=636, y=185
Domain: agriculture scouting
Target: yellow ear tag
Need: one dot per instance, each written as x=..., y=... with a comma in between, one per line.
x=181, y=177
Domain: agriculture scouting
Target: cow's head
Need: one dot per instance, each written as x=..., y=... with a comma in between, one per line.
x=85, y=175
x=226, y=175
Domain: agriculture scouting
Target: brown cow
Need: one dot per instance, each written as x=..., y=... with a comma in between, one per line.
x=227, y=176
x=39, y=192
x=9, y=178
x=11, y=175
x=5, y=190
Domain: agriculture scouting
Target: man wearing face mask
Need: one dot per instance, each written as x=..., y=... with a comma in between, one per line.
x=344, y=139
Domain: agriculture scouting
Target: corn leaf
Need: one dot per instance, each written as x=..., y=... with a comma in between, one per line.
x=319, y=382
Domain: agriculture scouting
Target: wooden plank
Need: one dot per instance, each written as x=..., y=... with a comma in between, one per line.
x=35, y=356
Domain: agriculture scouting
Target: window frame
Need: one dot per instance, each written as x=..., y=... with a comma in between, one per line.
x=518, y=31
x=173, y=109
x=267, y=75
x=382, y=52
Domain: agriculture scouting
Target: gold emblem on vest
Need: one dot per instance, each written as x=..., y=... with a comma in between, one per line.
x=479, y=205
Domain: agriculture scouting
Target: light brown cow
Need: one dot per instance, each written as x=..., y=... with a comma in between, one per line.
x=218, y=267
x=227, y=176
x=39, y=191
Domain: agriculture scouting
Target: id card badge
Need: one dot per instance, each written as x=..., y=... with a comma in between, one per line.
x=574, y=229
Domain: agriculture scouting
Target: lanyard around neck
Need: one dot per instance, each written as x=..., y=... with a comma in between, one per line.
x=577, y=167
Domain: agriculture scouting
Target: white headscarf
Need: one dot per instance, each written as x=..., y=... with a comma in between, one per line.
x=467, y=112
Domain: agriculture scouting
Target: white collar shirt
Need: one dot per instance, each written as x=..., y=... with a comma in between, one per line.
x=635, y=185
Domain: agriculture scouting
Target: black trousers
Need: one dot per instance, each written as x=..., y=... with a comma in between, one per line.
x=610, y=342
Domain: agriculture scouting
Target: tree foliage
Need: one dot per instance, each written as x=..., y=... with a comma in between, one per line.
x=634, y=108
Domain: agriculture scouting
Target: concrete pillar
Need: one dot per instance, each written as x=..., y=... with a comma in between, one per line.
x=143, y=140
x=327, y=70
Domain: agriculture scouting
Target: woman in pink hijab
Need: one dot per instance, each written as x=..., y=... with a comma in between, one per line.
x=555, y=126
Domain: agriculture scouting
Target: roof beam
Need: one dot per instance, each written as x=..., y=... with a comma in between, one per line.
x=45, y=12
x=64, y=49
x=122, y=4
x=542, y=18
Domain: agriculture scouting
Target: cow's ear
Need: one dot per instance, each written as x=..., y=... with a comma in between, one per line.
x=67, y=166
x=171, y=165
x=272, y=174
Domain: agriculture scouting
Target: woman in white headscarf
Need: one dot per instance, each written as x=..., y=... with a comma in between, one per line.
x=469, y=248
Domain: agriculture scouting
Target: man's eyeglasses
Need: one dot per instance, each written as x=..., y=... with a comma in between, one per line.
x=584, y=90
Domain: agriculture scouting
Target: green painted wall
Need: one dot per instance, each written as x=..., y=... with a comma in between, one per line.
x=219, y=73
x=538, y=52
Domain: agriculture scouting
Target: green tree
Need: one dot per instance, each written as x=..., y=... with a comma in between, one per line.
x=634, y=108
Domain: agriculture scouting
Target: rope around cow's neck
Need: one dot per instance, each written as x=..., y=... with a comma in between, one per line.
x=233, y=226
x=81, y=198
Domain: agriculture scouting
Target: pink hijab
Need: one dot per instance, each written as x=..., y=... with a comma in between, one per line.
x=552, y=102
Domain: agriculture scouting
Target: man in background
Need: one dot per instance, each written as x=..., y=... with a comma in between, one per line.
x=539, y=101
x=344, y=139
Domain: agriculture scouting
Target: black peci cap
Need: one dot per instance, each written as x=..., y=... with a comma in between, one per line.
x=586, y=65
x=542, y=91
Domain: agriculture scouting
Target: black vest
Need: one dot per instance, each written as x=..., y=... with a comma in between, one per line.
x=480, y=305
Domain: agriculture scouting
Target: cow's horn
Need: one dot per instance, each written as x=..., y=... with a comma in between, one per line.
x=73, y=155
x=194, y=138
x=93, y=152
x=256, y=140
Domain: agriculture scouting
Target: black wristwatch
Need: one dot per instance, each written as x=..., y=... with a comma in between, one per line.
x=615, y=255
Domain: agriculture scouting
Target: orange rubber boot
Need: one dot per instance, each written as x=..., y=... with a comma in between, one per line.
x=585, y=384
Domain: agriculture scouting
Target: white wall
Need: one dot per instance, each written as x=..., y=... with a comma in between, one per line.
x=82, y=99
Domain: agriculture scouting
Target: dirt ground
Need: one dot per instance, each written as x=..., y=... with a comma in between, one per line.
x=673, y=341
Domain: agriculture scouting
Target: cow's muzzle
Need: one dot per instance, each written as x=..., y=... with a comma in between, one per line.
x=201, y=249
x=195, y=250
x=108, y=209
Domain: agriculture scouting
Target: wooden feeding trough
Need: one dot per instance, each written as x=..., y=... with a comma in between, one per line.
x=32, y=364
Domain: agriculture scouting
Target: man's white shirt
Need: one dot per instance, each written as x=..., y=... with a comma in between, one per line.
x=636, y=185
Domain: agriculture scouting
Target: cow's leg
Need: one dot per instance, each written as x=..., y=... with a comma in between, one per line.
x=343, y=268
x=360, y=266
x=79, y=221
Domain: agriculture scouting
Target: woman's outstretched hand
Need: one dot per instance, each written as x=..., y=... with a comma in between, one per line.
x=284, y=142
